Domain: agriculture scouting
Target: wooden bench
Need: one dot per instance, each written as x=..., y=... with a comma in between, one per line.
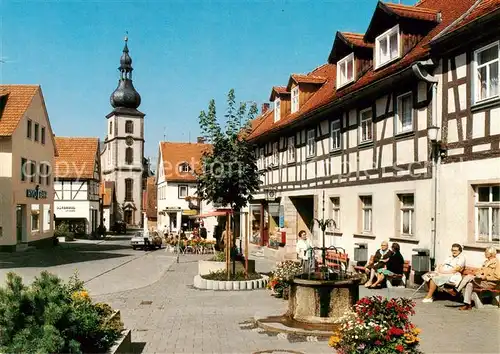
x=334, y=260
x=397, y=279
x=362, y=269
x=481, y=291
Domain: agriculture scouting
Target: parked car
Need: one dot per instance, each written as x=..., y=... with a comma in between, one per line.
x=146, y=240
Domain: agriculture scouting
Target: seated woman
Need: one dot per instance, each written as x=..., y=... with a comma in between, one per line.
x=447, y=273
x=379, y=261
x=394, y=265
x=488, y=277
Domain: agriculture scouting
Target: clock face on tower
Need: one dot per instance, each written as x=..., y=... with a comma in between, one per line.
x=129, y=140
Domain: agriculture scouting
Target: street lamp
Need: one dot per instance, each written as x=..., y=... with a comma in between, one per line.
x=101, y=215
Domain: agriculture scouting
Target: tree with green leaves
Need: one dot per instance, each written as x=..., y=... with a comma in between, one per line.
x=229, y=174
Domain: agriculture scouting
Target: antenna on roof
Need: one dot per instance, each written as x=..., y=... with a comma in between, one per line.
x=164, y=133
x=189, y=136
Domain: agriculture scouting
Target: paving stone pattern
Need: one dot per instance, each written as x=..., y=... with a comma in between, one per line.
x=170, y=316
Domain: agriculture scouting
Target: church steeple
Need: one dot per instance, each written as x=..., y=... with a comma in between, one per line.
x=125, y=95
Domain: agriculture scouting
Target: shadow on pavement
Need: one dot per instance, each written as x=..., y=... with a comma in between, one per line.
x=137, y=347
x=62, y=255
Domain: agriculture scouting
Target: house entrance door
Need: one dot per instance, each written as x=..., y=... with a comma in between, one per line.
x=20, y=222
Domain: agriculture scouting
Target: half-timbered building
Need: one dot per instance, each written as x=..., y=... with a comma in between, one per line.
x=76, y=184
x=350, y=141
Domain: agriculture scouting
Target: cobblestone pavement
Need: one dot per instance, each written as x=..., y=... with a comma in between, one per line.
x=170, y=316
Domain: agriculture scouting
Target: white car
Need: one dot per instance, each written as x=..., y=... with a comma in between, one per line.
x=146, y=240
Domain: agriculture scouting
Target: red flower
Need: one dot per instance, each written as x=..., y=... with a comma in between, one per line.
x=377, y=342
x=393, y=331
x=400, y=348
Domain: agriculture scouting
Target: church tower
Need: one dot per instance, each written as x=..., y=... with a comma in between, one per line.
x=123, y=154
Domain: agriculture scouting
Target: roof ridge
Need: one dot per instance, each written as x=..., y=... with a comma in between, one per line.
x=460, y=18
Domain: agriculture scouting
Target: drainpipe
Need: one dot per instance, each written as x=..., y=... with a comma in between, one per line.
x=421, y=71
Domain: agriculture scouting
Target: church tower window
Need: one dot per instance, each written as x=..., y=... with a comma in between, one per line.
x=129, y=156
x=129, y=127
x=129, y=189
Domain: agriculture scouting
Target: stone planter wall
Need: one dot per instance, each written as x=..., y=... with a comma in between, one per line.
x=123, y=344
x=232, y=285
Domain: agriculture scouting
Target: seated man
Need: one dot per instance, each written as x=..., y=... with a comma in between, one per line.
x=488, y=277
x=447, y=273
x=380, y=259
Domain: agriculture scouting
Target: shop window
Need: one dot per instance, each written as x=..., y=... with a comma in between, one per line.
x=35, y=217
x=273, y=211
x=255, y=220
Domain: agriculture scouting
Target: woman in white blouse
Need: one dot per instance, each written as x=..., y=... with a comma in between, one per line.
x=304, y=251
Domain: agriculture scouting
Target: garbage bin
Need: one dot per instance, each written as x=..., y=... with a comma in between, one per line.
x=420, y=262
x=361, y=253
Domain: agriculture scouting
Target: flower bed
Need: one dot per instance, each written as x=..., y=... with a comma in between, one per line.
x=279, y=281
x=52, y=317
x=218, y=281
x=378, y=326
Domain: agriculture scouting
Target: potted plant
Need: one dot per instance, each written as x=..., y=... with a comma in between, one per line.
x=378, y=325
x=281, y=277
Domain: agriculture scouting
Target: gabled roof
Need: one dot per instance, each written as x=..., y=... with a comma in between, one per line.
x=19, y=99
x=175, y=154
x=278, y=91
x=107, y=190
x=346, y=41
x=327, y=96
x=388, y=14
x=323, y=95
x=304, y=79
x=480, y=9
x=77, y=157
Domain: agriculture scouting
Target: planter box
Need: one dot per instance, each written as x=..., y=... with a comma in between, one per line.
x=123, y=344
x=206, y=267
x=231, y=285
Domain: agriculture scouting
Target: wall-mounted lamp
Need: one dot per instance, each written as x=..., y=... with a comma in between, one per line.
x=438, y=147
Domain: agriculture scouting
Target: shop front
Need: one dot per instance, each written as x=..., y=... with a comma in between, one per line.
x=82, y=217
x=266, y=224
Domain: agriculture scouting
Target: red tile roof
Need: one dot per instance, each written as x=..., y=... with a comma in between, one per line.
x=481, y=8
x=175, y=154
x=418, y=13
x=304, y=79
x=19, y=99
x=77, y=157
x=150, y=202
x=277, y=91
x=356, y=39
x=450, y=11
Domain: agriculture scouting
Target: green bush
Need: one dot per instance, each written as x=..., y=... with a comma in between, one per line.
x=222, y=275
x=50, y=316
x=62, y=230
x=219, y=257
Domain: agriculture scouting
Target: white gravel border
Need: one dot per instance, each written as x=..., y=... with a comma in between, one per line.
x=232, y=285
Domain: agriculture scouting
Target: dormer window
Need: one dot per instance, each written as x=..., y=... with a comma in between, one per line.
x=387, y=47
x=184, y=167
x=277, y=110
x=295, y=99
x=345, y=70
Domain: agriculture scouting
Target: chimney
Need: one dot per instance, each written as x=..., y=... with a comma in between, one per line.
x=200, y=140
x=265, y=107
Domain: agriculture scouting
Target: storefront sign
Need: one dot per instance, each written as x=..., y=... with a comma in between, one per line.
x=69, y=209
x=36, y=193
x=189, y=212
x=173, y=209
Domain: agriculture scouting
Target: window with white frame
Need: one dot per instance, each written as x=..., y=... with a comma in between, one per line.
x=487, y=72
x=487, y=213
x=277, y=110
x=335, y=136
x=387, y=46
x=295, y=99
x=366, y=214
x=404, y=112
x=276, y=154
x=345, y=70
x=365, y=133
x=335, y=211
x=311, y=143
x=407, y=214
x=291, y=149
x=183, y=192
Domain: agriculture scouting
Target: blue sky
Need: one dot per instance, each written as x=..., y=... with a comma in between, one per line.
x=184, y=53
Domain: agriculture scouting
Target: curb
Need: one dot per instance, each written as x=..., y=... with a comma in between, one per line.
x=233, y=285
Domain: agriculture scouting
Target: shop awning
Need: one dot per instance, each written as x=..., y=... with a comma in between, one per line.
x=215, y=213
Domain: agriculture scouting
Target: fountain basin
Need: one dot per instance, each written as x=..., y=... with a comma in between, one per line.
x=321, y=301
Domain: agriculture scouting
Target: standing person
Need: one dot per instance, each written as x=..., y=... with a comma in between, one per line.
x=304, y=252
x=380, y=260
x=394, y=265
x=488, y=277
x=203, y=231
x=447, y=273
